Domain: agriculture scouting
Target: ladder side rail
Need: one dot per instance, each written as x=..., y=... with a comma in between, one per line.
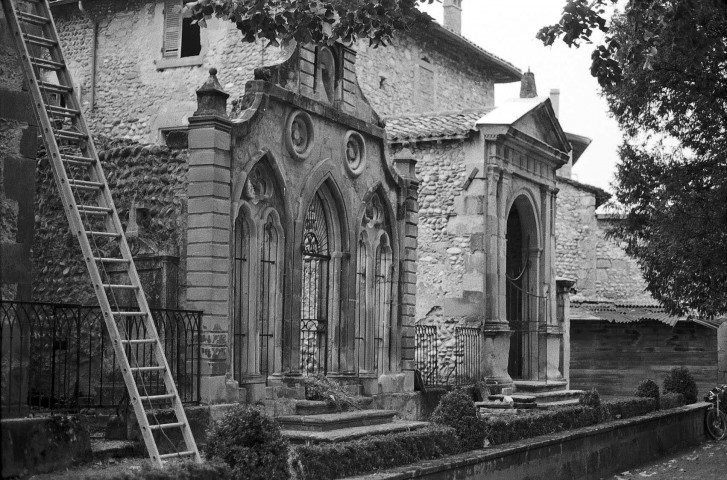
x=113, y=223
x=69, y=204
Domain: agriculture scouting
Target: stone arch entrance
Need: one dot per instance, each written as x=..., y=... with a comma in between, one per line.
x=522, y=260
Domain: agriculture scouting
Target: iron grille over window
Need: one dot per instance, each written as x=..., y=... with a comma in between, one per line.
x=314, y=294
x=268, y=290
x=241, y=285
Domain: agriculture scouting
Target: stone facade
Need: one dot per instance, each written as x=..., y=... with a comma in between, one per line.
x=130, y=91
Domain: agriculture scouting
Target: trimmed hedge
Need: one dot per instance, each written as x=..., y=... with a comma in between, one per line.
x=680, y=380
x=671, y=400
x=344, y=459
x=457, y=410
x=211, y=470
x=648, y=388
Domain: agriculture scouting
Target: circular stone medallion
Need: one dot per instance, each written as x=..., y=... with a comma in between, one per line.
x=354, y=153
x=299, y=135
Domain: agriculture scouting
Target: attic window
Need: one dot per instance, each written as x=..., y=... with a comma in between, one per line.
x=425, y=86
x=181, y=36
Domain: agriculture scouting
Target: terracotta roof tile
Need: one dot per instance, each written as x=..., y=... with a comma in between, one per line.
x=433, y=126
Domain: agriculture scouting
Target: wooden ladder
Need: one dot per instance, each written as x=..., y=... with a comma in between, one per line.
x=94, y=220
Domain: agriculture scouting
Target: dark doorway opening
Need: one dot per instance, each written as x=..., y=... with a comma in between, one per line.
x=516, y=284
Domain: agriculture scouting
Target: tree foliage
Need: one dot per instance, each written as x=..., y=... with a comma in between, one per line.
x=316, y=21
x=662, y=65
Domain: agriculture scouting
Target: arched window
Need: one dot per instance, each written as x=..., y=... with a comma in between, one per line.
x=258, y=255
x=241, y=285
x=314, y=291
x=374, y=290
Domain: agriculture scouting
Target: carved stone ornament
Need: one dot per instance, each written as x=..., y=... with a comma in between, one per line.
x=354, y=153
x=299, y=135
x=257, y=187
x=374, y=213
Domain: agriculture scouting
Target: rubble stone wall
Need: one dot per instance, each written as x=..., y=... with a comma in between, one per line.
x=599, y=265
x=133, y=99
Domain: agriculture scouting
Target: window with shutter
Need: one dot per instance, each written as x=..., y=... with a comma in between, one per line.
x=181, y=36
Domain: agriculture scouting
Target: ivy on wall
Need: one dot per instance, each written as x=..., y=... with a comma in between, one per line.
x=155, y=176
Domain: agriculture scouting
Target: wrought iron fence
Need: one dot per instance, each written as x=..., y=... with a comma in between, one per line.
x=456, y=361
x=59, y=356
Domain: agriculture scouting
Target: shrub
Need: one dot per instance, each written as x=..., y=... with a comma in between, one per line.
x=671, y=400
x=250, y=442
x=590, y=399
x=320, y=387
x=648, y=389
x=631, y=407
x=680, y=380
x=457, y=410
x=212, y=470
x=336, y=460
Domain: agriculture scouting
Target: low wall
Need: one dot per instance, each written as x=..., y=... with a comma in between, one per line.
x=37, y=445
x=585, y=453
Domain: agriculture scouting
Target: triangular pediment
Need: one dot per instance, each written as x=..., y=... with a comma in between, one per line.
x=532, y=116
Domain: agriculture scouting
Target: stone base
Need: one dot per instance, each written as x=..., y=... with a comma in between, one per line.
x=408, y=405
x=497, y=354
x=252, y=389
x=395, y=383
x=219, y=389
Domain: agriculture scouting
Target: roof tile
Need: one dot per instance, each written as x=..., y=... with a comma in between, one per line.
x=433, y=126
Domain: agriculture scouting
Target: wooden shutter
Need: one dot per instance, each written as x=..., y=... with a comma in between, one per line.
x=172, y=28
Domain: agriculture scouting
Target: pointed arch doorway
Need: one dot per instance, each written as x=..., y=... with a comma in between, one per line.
x=521, y=293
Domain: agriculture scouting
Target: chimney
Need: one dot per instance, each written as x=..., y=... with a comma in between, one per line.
x=555, y=101
x=453, y=15
x=527, y=85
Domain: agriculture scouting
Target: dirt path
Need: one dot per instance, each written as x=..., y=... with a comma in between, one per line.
x=705, y=462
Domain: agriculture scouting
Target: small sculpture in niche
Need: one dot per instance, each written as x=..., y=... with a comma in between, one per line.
x=327, y=73
x=354, y=153
x=257, y=188
x=299, y=135
x=374, y=214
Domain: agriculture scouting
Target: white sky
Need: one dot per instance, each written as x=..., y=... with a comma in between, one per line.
x=507, y=29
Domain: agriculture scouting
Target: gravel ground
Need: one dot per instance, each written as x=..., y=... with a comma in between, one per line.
x=705, y=462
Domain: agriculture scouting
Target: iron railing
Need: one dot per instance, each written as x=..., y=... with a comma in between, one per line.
x=448, y=363
x=59, y=356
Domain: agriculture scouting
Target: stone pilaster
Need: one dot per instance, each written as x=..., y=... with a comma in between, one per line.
x=409, y=210
x=563, y=289
x=496, y=331
x=208, y=236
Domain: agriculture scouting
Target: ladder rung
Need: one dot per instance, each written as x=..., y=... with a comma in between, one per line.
x=70, y=135
x=96, y=233
x=76, y=160
x=65, y=112
x=110, y=260
x=54, y=88
x=163, y=426
x=47, y=64
x=121, y=286
x=151, y=398
x=177, y=454
x=138, y=341
x=94, y=210
x=85, y=185
x=128, y=314
x=41, y=41
x=33, y=19
x=147, y=369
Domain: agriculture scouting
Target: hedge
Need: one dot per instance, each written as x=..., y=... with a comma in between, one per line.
x=210, y=470
x=671, y=400
x=329, y=461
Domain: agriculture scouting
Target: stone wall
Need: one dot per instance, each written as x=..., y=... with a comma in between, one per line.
x=18, y=141
x=599, y=265
x=154, y=176
x=133, y=99
x=441, y=171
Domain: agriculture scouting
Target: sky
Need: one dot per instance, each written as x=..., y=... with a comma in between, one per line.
x=507, y=29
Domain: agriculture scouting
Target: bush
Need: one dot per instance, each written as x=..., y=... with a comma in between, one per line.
x=590, y=399
x=212, y=470
x=336, y=460
x=648, y=389
x=680, y=380
x=632, y=407
x=457, y=410
x=671, y=400
x=250, y=442
x=320, y=387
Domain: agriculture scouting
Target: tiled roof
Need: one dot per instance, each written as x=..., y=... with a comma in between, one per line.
x=628, y=312
x=433, y=126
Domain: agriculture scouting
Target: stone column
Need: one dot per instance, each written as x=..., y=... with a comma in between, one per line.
x=551, y=329
x=208, y=236
x=403, y=349
x=496, y=330
x=563, y=289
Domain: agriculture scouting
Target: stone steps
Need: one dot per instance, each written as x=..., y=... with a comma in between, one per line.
x=561, y=403
x=315, y=407
x=327, y=422
x=353, y=433
x=547, y=398
x=529, y=387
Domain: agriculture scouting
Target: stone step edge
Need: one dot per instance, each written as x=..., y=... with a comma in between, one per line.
x=540, y=396
x=515, y=397
x=336, y=421
x=561, y=403
x=529, y=387
x=353, y=433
